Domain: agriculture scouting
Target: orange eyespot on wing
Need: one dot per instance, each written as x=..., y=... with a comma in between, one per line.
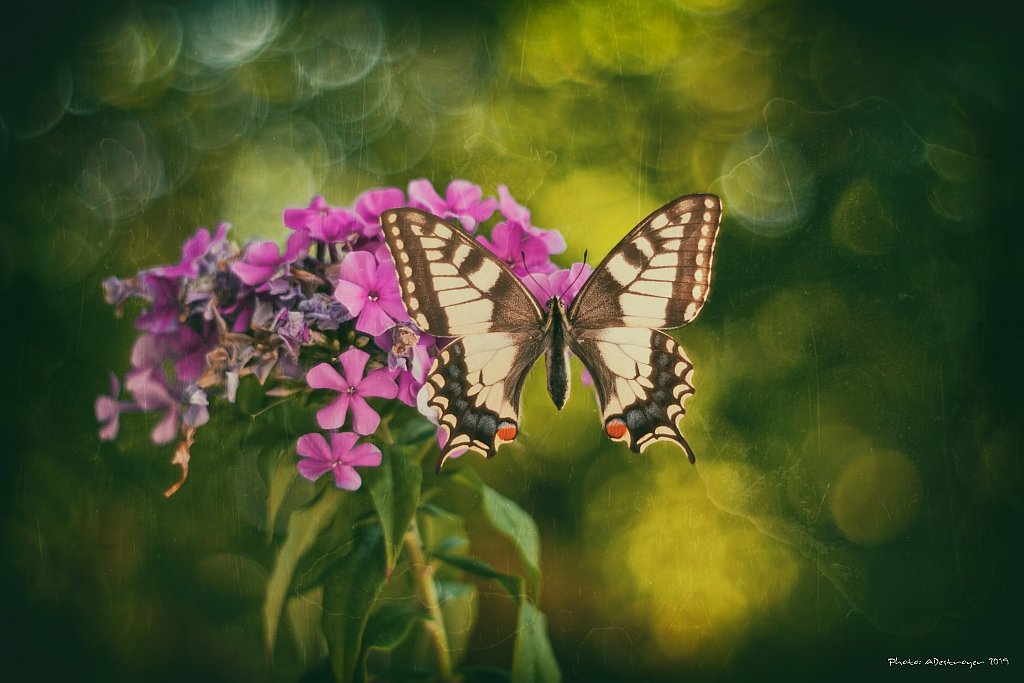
x=507, y=431
x=615, y=427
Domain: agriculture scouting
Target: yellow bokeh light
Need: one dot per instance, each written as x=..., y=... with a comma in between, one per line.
x=877, y=497
x=592, y=208
x=862, y=221
x=695, y=574
x=134, y=63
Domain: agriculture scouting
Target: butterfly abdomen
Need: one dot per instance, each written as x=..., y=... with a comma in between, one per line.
x=556, y=357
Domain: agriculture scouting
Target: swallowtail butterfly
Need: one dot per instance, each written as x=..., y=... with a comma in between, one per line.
x=656, y=278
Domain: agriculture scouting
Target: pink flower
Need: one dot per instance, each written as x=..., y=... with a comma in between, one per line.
x=517, y=214
x=194, y=249
x=369, y=290
x=462, y=200
x=353, y=390
x=524, y=253
x=324, y=223
x=148, y=386
x=341, y=457
x=565, y=283
x=409, y=358
x=261, y=263
x=109, y=409
x=372, y=203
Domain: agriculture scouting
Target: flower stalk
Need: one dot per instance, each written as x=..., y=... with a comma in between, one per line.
x=423, y=581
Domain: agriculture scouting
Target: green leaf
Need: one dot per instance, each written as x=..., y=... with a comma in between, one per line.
x=416, y=431
x=278, y=486
x=303, y=529
x=395, y=490
x=350, y=589
x=304, y=614
x=389, y=625
x=512, y=522
x=512, y=584
x=532, y=660
x=459, y=603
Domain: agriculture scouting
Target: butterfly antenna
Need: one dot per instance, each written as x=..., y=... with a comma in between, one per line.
x=569, y=286
x=522, y=255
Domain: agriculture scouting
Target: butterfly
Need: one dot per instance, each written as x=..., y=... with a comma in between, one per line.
x=657, y=277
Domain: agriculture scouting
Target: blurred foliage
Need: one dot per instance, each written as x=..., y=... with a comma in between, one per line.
x=856, y=422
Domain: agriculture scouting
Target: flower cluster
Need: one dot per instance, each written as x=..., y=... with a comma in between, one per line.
x=322, y=314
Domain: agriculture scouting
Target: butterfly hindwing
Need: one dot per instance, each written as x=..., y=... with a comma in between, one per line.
x=450, y=284
x=657, y=276
x=642, y=379
x=475, y=386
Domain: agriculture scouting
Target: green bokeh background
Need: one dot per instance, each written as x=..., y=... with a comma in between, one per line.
x=858, y=373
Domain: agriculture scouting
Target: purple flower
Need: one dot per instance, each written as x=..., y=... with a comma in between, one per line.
x=369, y=290
x=148, y=386
x=292, y=329
x=192, y=251
x=462, y=200
x=164, y=293
x=409, y=359
x=109, y=409
x=324, y=223
x=565, y=283
x=353, y=390
x=523, y=252
x=324, y=312
x=189, y=348
x=517, y=214
x=372, y=203
x=196, y=413
x=116, y=291
x=261, y=262
x=341, y=457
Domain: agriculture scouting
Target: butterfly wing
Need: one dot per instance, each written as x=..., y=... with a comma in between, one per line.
x=453, y=287
x=657, y=277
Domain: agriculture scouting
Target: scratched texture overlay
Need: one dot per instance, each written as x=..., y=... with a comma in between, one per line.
x=858, y=374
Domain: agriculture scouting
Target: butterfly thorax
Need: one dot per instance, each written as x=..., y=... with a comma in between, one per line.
x=556, y=358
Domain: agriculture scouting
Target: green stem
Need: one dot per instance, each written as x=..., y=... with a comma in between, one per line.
x=423, y=580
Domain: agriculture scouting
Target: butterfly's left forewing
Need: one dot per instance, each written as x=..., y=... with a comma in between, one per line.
x=453, y=287
x=657, y=277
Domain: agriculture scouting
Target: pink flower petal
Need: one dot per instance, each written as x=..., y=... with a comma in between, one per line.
x=351, y=296
x=297, y=245
x=324, y=376
x=359, y=267
x=346, y=478
x=353, y=363
x=332, y=416
x=378, y=383
x=422, y=195
x=364, y=455
x=342, y=443
x=373, y=320
x=313, y=446
x=313, y=469
x=365, y=419
x=252, y=275
x=166, y=429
